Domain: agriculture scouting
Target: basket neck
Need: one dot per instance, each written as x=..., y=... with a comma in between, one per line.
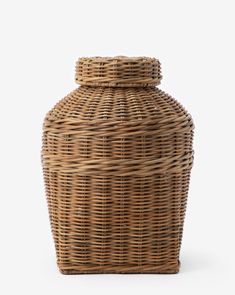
x=118, y=71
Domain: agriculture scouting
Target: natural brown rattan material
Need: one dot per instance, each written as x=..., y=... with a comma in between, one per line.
x=117, y=154
x=118, y=71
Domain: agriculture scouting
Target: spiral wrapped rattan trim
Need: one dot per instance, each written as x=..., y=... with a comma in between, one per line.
x=118, y=71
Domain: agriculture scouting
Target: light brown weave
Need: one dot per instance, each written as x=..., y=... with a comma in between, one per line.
x=117, y=154
x=118, y=71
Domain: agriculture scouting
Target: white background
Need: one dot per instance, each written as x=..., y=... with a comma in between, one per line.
x=39, y=43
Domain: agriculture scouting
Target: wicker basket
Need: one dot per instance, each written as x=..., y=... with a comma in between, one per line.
x=117, y=154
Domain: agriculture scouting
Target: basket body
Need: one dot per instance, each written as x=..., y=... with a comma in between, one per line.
x=116, y=162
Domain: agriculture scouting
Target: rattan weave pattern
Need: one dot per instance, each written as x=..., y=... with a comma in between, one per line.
x=118, y=71
x=116, y=164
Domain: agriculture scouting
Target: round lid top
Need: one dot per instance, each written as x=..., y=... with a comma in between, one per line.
x=118, y=71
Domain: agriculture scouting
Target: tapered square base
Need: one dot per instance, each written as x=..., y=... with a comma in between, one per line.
x=164, y=269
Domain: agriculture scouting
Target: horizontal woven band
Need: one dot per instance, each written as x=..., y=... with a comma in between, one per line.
x=121, y=167
x=169, y=125
x=118, y=71
x=170, y=267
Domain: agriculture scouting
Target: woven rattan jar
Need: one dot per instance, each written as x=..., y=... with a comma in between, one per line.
x=117, y=155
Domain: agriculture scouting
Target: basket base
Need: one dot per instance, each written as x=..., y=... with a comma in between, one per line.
x=169, y=269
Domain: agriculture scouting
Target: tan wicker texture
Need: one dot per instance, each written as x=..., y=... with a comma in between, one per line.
x=118, y=71
x=116, y=162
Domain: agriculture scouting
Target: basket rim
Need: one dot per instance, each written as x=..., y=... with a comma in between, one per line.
x=123, y=58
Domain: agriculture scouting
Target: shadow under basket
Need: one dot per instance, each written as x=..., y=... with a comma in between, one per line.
x=117, y=155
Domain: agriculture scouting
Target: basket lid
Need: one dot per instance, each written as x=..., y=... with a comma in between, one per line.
x=118, y=71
